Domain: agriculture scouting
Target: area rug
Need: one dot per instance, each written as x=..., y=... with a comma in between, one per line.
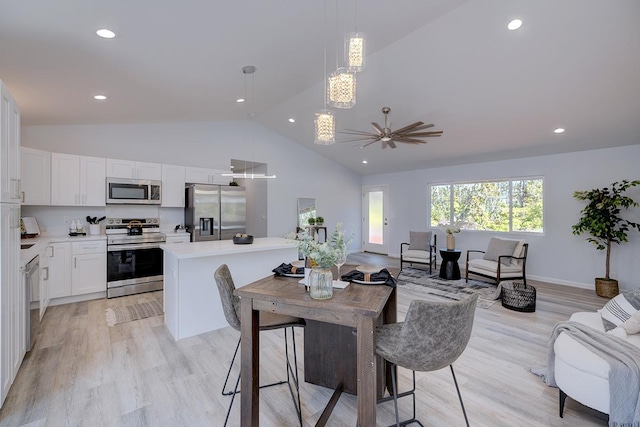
x=132, y=312
x=439, y=289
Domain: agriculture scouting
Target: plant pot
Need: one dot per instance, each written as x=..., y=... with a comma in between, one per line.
x=607, y=288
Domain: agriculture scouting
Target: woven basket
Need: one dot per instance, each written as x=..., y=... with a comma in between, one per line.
x=518, y=296
x=607, y=288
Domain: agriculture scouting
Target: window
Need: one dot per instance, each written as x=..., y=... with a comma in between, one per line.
x=508, y=205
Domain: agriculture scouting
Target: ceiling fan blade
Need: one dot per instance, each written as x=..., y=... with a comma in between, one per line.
x=422, y=127
x=391, y=143
x=378, y=128
x=423, y=134
x=411, y=140
x=369, y=143
x=409, y=127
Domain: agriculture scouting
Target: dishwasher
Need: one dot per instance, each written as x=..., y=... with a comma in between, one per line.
x=32, y=283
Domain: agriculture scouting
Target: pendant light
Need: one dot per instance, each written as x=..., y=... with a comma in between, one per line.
x=341, y=90
x=248, y=70
x=355, y=46
x=325, y=121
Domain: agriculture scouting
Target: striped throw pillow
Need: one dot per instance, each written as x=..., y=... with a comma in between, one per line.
x=616, y=311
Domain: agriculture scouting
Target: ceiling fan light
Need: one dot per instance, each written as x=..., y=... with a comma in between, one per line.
x=341, y=88
x=354, y=52
x=325, y=128
x=385, y=138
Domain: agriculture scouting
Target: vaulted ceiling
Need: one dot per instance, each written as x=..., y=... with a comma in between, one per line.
x=495, y=93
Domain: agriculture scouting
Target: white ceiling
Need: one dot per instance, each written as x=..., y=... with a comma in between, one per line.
x=495, y=93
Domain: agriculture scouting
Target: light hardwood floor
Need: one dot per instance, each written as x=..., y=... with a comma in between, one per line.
x=82, y=372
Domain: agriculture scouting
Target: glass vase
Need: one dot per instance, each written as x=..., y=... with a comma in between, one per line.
x=321, y=283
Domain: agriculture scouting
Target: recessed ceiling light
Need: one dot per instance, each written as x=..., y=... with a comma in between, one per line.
x=240, y=100
x=365, y=162
x=105, y=34
x=100, y=97
x=292, y=120
x=515, y=24
x=559, y=130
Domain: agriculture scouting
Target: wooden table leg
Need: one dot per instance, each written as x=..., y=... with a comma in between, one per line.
x=250, y=364
x=366, y=373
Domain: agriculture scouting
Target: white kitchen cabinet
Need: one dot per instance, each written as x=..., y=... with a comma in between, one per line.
x=35, y=179
x=9, y=147
x=59, y=255
x=89, y=267
x=173, y=186
x=206, y=176
x=134, y=170
x=13, y=298
x=77, y=180
x=178, y=238
x=45, y=275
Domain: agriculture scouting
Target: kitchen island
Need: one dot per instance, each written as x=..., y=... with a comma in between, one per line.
x=191, y=301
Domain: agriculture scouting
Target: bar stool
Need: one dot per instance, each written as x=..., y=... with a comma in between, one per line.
x=268, y=321
x=433, y=335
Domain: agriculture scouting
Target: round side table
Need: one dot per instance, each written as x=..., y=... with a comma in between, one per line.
x=449, y=269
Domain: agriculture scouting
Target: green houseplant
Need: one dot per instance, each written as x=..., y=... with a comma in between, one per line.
x=319, y=220
x=601, y=219
x=311, y=221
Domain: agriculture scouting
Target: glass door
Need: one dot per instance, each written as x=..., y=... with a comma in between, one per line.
x=375, y=201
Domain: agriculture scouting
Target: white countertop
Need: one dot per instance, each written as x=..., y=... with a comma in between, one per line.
x=40, y=242
x=225, y=247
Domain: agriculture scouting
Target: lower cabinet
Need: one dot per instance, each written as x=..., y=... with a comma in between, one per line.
x=59, y=270
x=77, y=268
x=89, y=267
x=178, y=238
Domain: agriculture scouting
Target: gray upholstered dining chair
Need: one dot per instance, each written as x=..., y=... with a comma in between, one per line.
x=268, y=321
x=433, y=335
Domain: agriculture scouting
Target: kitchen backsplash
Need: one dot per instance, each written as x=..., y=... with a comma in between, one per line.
x=55, y=219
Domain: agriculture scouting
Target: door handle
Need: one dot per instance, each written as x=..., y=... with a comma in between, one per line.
x=22, y=196
x=47, y=276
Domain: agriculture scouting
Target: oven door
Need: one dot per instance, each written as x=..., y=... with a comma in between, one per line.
x=133, y=264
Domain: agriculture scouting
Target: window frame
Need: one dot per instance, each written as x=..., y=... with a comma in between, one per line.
x=510, y=180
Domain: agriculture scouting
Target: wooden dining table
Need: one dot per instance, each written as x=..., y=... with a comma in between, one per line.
x=357, y=306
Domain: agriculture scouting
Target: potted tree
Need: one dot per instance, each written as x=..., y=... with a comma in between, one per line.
x=601, y=219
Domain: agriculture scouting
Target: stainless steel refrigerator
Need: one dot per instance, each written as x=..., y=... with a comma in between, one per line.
x=214, y=212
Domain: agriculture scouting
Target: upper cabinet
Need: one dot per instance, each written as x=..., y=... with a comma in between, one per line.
x=36, y=176
x=172, y=186
x=9, y=150
x=77, y=180
x=134, y=170
x=206, y=176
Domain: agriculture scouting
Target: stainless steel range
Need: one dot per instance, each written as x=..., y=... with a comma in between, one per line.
x=134, y=257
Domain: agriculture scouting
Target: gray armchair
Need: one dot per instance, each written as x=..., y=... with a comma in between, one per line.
x=433, y=335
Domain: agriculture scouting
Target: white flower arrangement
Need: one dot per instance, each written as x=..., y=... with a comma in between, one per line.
x=324, y=255
x=452, y=230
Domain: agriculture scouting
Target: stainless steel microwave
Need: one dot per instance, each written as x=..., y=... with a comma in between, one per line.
x=122, y=191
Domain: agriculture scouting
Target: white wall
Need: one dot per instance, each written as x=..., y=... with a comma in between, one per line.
x=556, y=256
x=300, y=172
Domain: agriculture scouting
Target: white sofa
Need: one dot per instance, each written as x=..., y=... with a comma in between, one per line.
x=581, y=374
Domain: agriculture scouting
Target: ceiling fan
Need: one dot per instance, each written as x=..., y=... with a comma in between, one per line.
x=409, y=134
